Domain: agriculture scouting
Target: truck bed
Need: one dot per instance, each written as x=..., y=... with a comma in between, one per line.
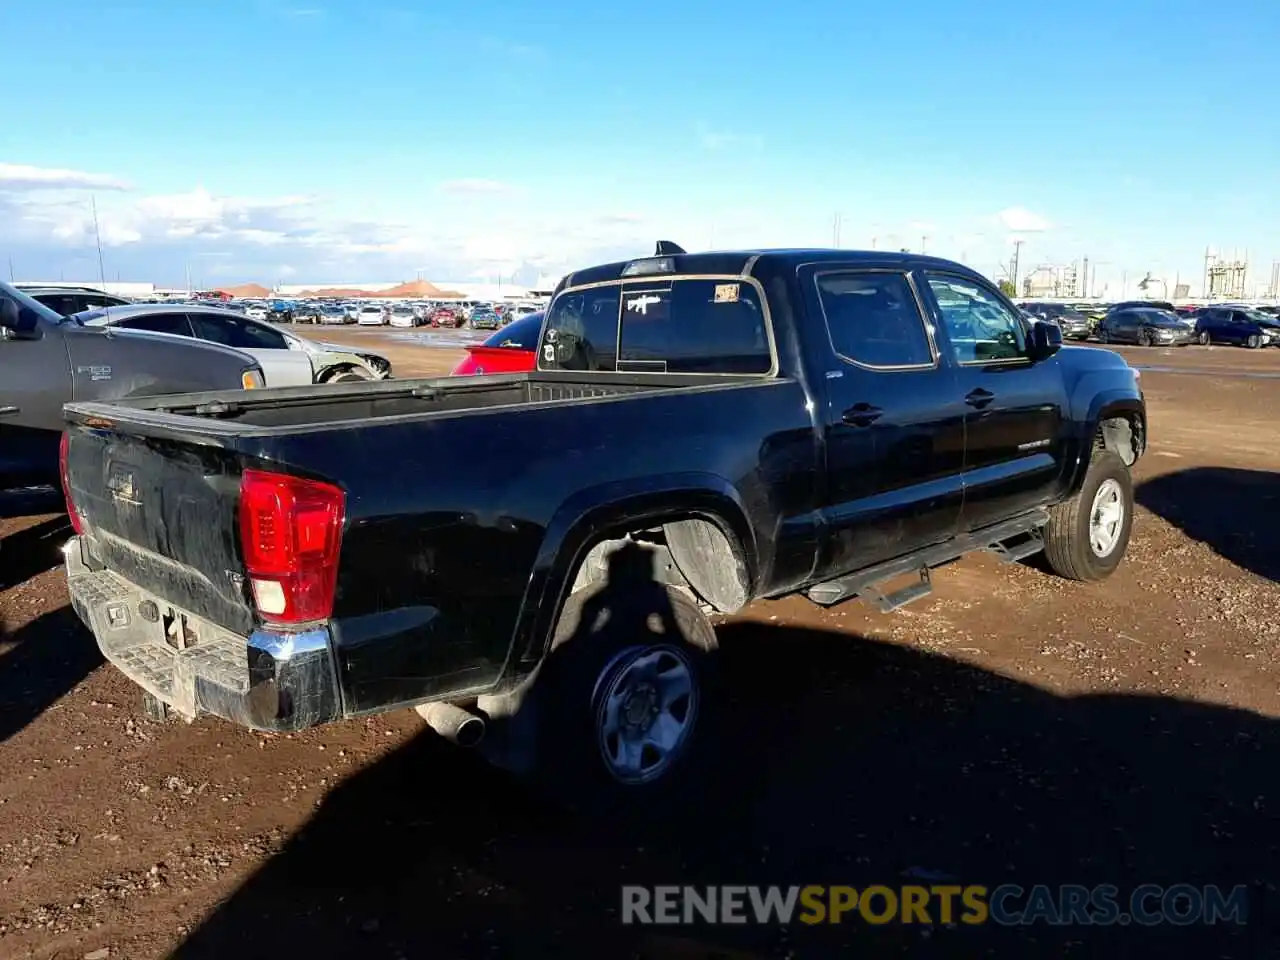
x=452, y=489
x=231, y=414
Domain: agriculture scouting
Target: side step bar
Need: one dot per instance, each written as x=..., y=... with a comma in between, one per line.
x=996, y=539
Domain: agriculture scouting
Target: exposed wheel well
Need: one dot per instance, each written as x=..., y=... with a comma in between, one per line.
x=693, y=554
x=1124, y=435
x=338, y=369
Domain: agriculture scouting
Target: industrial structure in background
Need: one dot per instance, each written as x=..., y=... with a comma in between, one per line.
x=1053, y=280
x=1225, y=277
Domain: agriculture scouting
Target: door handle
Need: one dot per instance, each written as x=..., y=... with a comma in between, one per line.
x=861, y=415
x=6, y=411
x=979, y=398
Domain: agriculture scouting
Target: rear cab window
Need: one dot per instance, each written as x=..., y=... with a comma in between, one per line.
x=668, y=324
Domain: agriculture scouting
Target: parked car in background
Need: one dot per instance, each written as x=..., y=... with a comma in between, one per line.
x=280, y=311
x=485, y=318
x=47, y=359
x=446, y=317
x=257, y=311
x=402, y=315
x=1240, y=326
x=1145, y=326
x=333, y=313
x=69, y=300
x=307, y=311
x=513, y=349
x=286, y=358
x=371, y=315
x=1074, y=324
x=1142, y=305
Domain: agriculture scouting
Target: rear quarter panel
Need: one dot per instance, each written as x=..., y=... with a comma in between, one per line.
x=455, y=524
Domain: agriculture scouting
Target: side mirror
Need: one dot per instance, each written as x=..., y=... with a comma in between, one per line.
x=1046, y=340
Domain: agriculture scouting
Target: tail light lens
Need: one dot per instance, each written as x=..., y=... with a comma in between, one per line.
x=290, y=535
x=77, y=522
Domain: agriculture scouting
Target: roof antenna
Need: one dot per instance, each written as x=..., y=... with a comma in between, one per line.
x=666, y=248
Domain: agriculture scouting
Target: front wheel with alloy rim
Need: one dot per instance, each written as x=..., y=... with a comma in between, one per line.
x=1145, y=339
x=1254, y=342
x=625, y=697
x=1204, y=338
x=1086, y=536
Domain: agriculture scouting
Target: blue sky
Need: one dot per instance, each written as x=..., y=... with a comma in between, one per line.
x=328, y=140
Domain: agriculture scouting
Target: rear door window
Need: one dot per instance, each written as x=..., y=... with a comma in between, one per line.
x=237, y=332
x=521, y=334
x=175, y=323
x=873, y=319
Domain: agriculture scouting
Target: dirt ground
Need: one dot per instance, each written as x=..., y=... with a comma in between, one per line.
x=1013, y=727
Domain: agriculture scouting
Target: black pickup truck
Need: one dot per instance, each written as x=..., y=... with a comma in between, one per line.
x=701, y=430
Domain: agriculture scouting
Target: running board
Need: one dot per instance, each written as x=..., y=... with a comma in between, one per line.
x=865, y=583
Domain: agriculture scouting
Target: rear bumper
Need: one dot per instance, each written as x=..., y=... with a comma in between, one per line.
x=271, y=680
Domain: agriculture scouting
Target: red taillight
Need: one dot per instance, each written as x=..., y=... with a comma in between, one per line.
x=290, y=534
x=77, y=522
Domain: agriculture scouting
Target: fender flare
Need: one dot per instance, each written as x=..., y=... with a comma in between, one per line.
x=1105, y=405
x=586, y=515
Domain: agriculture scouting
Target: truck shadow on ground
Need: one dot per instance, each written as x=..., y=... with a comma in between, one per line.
x=32, y=550
x=39, y=663
x=1234, y=511
x=839, y=760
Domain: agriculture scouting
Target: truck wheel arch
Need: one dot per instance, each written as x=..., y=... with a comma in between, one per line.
x=704, y=517
x=1116, y=421
x=346, y=369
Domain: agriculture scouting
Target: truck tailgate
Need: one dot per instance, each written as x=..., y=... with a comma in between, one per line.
x=163, y=514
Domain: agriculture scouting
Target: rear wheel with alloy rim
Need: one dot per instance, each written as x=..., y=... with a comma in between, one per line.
x=625, y=698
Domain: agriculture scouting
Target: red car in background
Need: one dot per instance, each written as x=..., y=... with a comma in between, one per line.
x=513, y=349
x=446, y=317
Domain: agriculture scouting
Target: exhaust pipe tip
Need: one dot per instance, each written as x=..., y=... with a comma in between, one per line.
x=458, y=726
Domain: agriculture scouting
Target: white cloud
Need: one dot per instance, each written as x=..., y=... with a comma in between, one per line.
x=158, y=237
x=711, y=139
x=476, y=186
x=22, y=176
x=1022, y=220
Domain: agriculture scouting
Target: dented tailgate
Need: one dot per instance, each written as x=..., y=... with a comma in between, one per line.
x=162, y=514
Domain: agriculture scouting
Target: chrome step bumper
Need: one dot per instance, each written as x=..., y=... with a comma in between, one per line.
x=271, y=680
